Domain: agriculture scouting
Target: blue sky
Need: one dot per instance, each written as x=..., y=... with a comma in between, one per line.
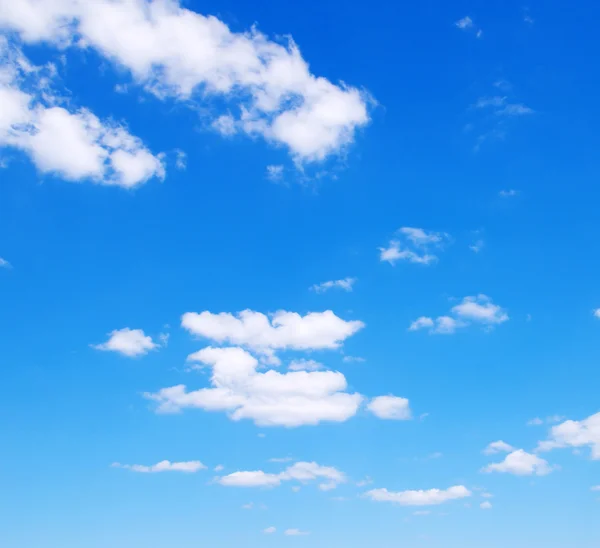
x=308, y=275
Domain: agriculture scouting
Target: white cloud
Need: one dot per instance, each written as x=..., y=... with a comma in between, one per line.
x=353, y=359
x=189, y=467
x=305, y=365
x=275, y=172
x=295, y=532
x=129, y=342
x=508, y=193
x=281, y=459
x=535, y=422
x=219, y=468
x=302, y=472
x=72, y=143
x=498, y=447
x=390, y=407
x=464, y=23
x=597, y=313
x=413, y=245
x=575, y=434
x=480, y=309
x=180, y=159
x=501, y=107
x=281, y=331
x=364, y=482
x=175, y=52
x=4, y=263
x=269, y=399
x=345, y=284
x=520, y=463
x=421, y=513
x=269, y=530
x=442, y=325
x=595, y=488
x=487, y=505
x=419, y=498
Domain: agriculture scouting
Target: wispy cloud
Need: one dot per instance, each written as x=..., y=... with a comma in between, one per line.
x=508, y=193
x=467, y=24
x=346, y=284
x=413, y=245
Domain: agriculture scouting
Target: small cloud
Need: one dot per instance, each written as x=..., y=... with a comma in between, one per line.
x=433, y=456
x=129, y=342
x=248, y=506
x=595, y=488
x=296, y=488
x=422, y=513
x=225, y=125
x=487, y=505
x=364, y=482
x=180, y=159
x=189, y=467
x=423, y=416
x=121, y=88
x=164, y=339
x=4, y=263
x=502, y=84
x=535, y=422
x=219, y=468
x=498, y=447
x=596, y=313
x=269, y=530
x=346, y=284
x=413, y=245
x=390, y=408
x=353, y=359
x=520, y=463
x=464, y=23
x=282, y=459
x=275, y=173
x=477, y=246
x=295, y=532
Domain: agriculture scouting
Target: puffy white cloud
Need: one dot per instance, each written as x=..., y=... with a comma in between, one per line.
x=464, y=23
x=189, y=467
x=498, y=447
x=584, y=433
x=72, y=143
x=520, y=463
x=173, y=51
x=419, y=498
x=302, y=472
x=442, y=325
x=269, y=530
x=345, y=284
x=281, y=331
x=480, y=309
x=486, y=505
x=390, y=407
x=413, y=245
x=295, y=532
x=129, y=342
x=270, y=399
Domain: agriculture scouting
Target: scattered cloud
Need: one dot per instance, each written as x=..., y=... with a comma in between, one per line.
x=419, y=498
x=390, y=408
x=275, y=173
x=364, y=482
x=595, y=488
x=422, y=513
x=498, y=447
x=552, y=419
x=535, y=422
x=269, y=530
x=508, y=193
x=219, y=468
x=472, y=310
x=248, y=506
x=500, y=106
x=413, y=245
x=302, y=472
x=520, y=463
x=353, y=359
x=129, y=342
x=179, y=54
x=282, y=459
x=295, y=532
x=188, y=467
x=477, y=245
x=575, y=434
x=596, y=313
x=346, y=284
x=70, y=142
x=467, y=24
x=4, y=263
x=180, y=159
x=486, y=505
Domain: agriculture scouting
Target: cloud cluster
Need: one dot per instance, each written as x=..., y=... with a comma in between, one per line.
x=302, y=472
x=188, y=467
x=466, y=24
x=71, y=142
x=413, y=245
x=477, y=309
x=175, y=52
x=419, y=498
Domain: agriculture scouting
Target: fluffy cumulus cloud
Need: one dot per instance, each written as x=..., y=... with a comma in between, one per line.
x=498, y=447
x=346, y=284
x=268, y=398
x=72, y=143
x=302, y=472
x=520, y=463
x=390, y=408
x=575, y=434
x=279, y=331
x=428, y=497
x=129, y=342
x=478, y=309
x=188, y=467
x=175, y=52
x=413, y=245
